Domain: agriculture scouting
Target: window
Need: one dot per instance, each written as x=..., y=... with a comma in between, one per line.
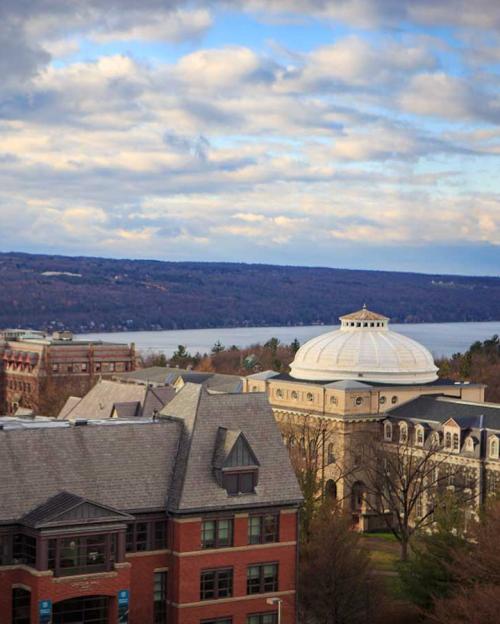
x=263, y=529
x=239, y=482
x=82, y=554
x=359, y=400
x=382, y=400
x=394, y=400
x=21, y=606
x=263, y=618
x=469, y=444
x=216, y=584
x=84, y=367
x=5, y=545
x=55, y=368
x=388, y=431
x=295, y=396
x=419, y=436
x=227, y=620
x=456, y=442
x=403, y=433
x=330, y=454
x=160, y=598
x=262, y=578
x=309, y=397
x=217, y=533
x=24, y=549
x=146, y=535
x=279, y=393
x=447, y=439
x=494, y=448
x=333, y=400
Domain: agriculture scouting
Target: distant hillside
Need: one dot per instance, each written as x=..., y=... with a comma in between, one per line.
x=91, y=294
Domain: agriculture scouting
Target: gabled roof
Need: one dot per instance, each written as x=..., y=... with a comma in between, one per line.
x=66, y=508
x=99, y=401
x=232, y=450
x=130, y=409
x=195, y=487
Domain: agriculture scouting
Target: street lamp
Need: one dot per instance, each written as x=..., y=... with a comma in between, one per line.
x=274, y=601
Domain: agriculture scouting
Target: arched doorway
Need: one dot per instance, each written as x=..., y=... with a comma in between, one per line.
x=358, y=493
x=331, y=489
x=82, y=610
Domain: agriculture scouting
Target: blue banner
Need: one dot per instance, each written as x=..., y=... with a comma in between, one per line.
x=123, y=600
x=45, y=611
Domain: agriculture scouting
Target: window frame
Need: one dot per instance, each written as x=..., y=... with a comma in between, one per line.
x=262, y=589
x=217, y=542
x=152, y=540
x=261, y=517
x=160, y=596
x=239, y=475
x=217, y=572
x=261, y=615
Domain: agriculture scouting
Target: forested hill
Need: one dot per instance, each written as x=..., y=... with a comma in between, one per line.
x=91, y=294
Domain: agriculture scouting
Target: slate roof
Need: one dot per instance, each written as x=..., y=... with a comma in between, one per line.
x=163, y=375
x=364, y=315
x=194, y=485
x=440, y=409
x=126, y=399
x=124, y=466
x=144, y=466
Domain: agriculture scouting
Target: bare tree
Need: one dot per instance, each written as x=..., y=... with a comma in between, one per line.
x=336, y=577
x=405, y=482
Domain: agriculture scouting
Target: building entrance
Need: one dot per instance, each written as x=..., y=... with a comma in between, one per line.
x=84, y=610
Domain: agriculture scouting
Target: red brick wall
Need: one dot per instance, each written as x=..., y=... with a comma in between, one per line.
x=137, y=575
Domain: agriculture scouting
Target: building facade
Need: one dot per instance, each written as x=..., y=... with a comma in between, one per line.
x=40, y=372
x=187, y=519
x=353, y=380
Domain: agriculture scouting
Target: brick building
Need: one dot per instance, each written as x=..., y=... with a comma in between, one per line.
x=40, y=372
x=190, y=518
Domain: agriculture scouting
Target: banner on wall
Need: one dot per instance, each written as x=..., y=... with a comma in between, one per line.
x=123, y=600
x=45, y=611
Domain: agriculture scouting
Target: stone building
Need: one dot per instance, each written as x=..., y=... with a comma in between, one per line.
x=364, y=378
x=188, y=518
x=40, y=372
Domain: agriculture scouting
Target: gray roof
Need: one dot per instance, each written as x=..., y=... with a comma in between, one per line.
x=163, y=375
x=195, y=487
x=144, y=466
x=124, y=466
x=440, y=409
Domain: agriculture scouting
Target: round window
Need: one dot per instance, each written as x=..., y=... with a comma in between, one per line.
x=382, y=400
x=309, y=396
x=279, y=393
x=394, y=399
x=294, y=395
x=333, y=400
x=359, y=400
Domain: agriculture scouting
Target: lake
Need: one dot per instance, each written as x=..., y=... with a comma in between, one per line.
x=440, y=338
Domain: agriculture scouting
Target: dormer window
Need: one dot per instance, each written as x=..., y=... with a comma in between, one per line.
x=419, y=436
x=235, y=464
x=403, y=433
x=388, y=431
x=469, y=444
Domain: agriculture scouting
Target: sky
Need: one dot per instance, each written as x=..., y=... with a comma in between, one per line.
x=341, y=133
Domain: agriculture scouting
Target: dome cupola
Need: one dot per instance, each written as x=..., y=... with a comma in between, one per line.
x=364, y=348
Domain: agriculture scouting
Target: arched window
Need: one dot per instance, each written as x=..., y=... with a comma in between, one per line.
x=494, y=448
x=419, y=436
x=358, y=493
x=403, y=433
x=331, y=489
x=388, y=431
x=330, y=454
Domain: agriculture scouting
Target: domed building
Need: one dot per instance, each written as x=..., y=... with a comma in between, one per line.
x=355, y=379
x=364, y=348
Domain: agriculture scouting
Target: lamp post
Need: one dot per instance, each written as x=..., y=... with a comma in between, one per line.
x=273, y=601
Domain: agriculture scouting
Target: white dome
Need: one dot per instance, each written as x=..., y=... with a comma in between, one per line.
x=364, y=348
